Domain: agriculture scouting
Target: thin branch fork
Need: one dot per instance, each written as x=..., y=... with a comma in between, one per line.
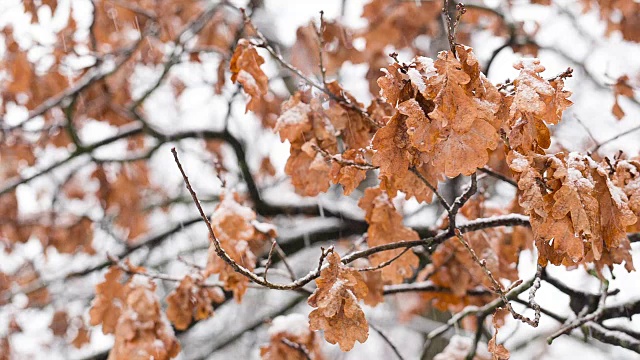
x=498, y=289
x=479, y=311
x=585, y=318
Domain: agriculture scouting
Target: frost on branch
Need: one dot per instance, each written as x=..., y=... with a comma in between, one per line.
x=578, y=213
x=336, y=305
x=240, y=236
x=385, y=227
x=245, y=69
x=192, y=301
x=291, y=339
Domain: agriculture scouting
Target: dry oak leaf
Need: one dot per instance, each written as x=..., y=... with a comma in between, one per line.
x=397, y=23
x=336, y=305
x=307, y=128
x=308, y=169
x=385, y=227
x=294, y=120
x=374, y=281
x=394, y=156
x=621, y=88
x=240, y=236
x=627, y=177
x=355, y=128
x=107, y=305
x=464, y=153
x=291, y=339
x=454, y=105
x=192, y=300
x=338, y=48
x=391, y=84
x=245, y=69
x=59, y=323
x=83, y=337
x=142, y=332
x=535, y=103
x=498, y=351
x=345, y=169
x=465, y=111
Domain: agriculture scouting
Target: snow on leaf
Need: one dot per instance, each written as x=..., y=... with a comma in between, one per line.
x=535, y=103
x=578, y=208
x=336, y=305
x=235, y=227
x=107, y=305
x=295, y=329
x=245, y=69
x=142, y=331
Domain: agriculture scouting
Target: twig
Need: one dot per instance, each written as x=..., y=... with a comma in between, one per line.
x=384, y=264
x=269, y=259
x=127, y=269
x=444, y=202
x=387, y=340
x=320, y=34
x=498, y=287
x=581, y=320
x=337, y=159
x=474, y=310
x=487, y=170
x=283, y=257
x=624, y=133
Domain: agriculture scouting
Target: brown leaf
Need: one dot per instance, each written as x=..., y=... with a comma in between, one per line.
x=59, y=323
x=536, y=102
x=106, y=306
x=385, y=227
x=621, y=88
x=141, y=332
x=498, y=351
x=190, y=300
x=245, y=69
x=578, y=208
x=336, y=305
x=83, y=337
x=240, y=235
x=349, y=176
